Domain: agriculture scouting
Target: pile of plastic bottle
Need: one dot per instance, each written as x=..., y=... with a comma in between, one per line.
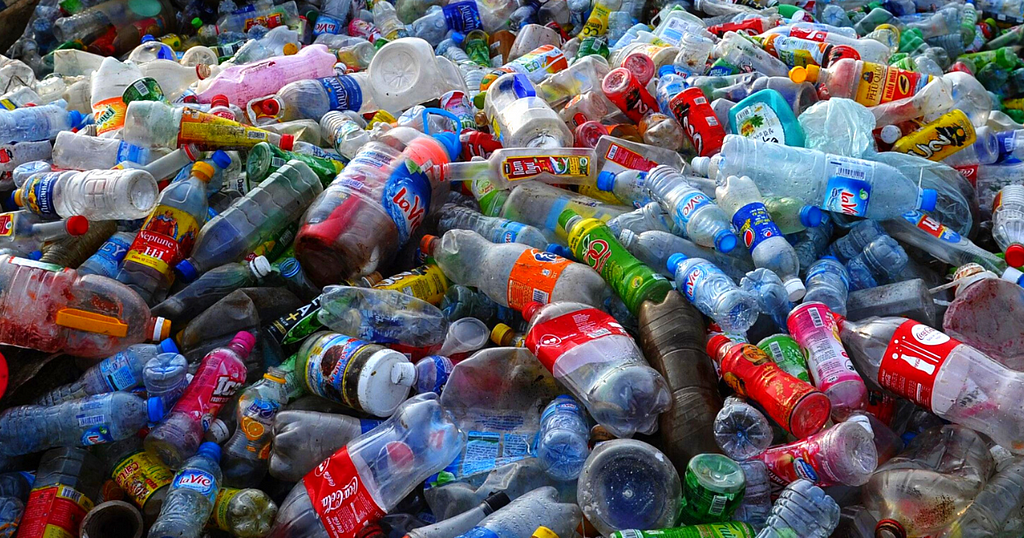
x=513, y=269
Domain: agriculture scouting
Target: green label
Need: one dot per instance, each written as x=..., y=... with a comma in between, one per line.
x=732, y=529
x=785, y=352
x=144, y=89
x=297, y=325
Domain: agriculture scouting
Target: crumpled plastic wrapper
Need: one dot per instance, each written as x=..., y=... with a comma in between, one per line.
x=839, y=126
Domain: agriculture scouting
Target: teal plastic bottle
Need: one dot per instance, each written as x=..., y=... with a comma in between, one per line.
x=768, y=117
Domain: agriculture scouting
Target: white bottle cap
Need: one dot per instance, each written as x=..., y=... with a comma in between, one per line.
x=260, y=266
x=403, y=373
x=218, y=432
x=795, y=289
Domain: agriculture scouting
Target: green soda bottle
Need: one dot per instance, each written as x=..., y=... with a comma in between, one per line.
x=733, y=529
x=713, y=487
x=264, y=159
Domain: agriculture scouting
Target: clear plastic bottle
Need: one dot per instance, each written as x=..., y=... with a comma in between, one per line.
x=98, y=419
x=81, y=152
x=842, y=454
x=385, y=316
x=1008, y=223
x=212, y=286
x=314, y=98
x=772, y=297
x=562, y=439
x=384, y=465
x=220, y=374
x=303, y=439
x=756, y=505
x=457, y=525
x=828, y=283
x=881, y=262
x=165, y=377
x=692, y=211
x=95, y=195
x=841, y=184
x=741, y=431
x=850, y=245
x=814, y=328
x=496, y=229
x=539, y=205
x=189, y=501
x=247, y=452
x=27, y=232
x=608, y=374
x=714, y=293
x=520, y=119
x=122, y=371
x=37, y=122
x=999, y=501
x=432, y=373
x=803, y=510
x=245, y=513
x=107, y=259
x=654, y=248
x=345, y=131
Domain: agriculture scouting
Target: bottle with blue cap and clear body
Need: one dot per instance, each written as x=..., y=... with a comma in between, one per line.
x=107, y=260
x=629, y=186
x=881, y=262
x=189, y=502
x=33, y=123
x=562, y=440
x=772, y=295
x=803, y=510
x=847, y=185
x=210, y=287
x=495, y=229
x=654, y=248
x=714, y=293
x=651, y=217
x=82, y=152
x=828, y=282
x=123, y=371
x=253, y=219
x=741, y=431
x=98, y=419
x=850, y=245
x=692, y=211
x=95, y=194
x=520, y=119
x=165, y=377
x=812, y=243
x=739, y=196
x=791, y=215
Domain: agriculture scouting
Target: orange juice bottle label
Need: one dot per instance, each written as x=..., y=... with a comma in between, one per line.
x=109, y=114
x=533, y=278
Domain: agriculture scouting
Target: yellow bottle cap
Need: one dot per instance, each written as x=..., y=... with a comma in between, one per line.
x=501, y=334
x=800, y=74
x=83, y=320
x=161, y=329
x=203, y=171
x=289, y=49
x=18, y=198
x=544, y=532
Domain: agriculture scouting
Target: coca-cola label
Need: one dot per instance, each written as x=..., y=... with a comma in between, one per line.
x=340, y=498
x=912, y=361
x=196, y=480
x=555, y=337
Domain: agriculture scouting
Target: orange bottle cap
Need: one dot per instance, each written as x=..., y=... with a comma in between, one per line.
x=203, y=171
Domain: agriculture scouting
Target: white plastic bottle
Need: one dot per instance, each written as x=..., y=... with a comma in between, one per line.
x=521, y=119
x=108, y=85
x=95, y=195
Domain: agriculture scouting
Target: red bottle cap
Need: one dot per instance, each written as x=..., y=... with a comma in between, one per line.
x=715, y=343
x=427, y=244
x=219, y=100
x=3, y=375
x=530, y=309
x=1015, y=255
x=76, y=225
x=287, y=142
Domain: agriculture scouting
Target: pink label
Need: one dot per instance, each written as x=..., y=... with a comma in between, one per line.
x=788, y=463
x=913, y=360
x=814, y=328
x=219, y=376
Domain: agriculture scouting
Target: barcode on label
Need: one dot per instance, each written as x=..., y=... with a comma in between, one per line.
x=816, y=317
x=541, y=296
x=776, y=349
x=140, y=87
x=256, y=135
x=630, y=533
x=717, y=505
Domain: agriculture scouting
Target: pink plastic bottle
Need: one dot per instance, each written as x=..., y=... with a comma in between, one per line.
x=220, y=374
x=817, y=332
x=243, y=83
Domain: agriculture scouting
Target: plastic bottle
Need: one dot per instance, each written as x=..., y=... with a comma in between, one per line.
x=860, y=234
x=495, y=229
x=432, y=373
x=804, y=510
x=881, y=262
x=155, y=124
x=38, y=122
x=791, y=215
x=243, y=83
x=302, y=439
x=756, y=504
x=772, y=297
x=692, y=211
x=108, y=85
x=828, y=283
x=1008, y=223
x=212, y=286
x=562, y=439
x=73, y=250
x=189, y=501
x=539, y=205
x=245, y=513
x=741, y=431
x=713, y=486
x=51, y=308
x=165, y=377
x=72, y=150
x=458, y=525
x=835, y=183
x=247, y=452
x=73, y=472
x=713, y=293
x=384, y=316
x=814, y=328
x=314, y=98
x=95, y=195
x=390, y=460
x=996, y=503
x=520, y=119
x=122, y=371
x=220, y=374
x=707, y=530
x=794, y=404
x=506, y=166
x=98, y=419
x=346, y=132
x=654, y=248
x=842, y=454
x=143, y=478
x=25, y=232
x=869, y=83
x=107, y=259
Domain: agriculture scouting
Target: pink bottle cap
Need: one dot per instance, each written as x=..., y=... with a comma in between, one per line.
x=245, y=338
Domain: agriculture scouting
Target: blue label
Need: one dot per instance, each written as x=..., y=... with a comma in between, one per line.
x=343, y=92
x=847, y=195
x=443, y=366
x=131, y=153
x=39, y=192
x=196, y=480
x=367, y=424
x=755, y=225
x=462, y=16
x=406, y=198
x=326, y=25
x=696, y=277
x=688, y=205
x=508, y=233
x=97, y=435
x=563, y=404
x=109, y=257
x=117, y=372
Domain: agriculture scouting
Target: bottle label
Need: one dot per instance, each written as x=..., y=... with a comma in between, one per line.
x=751, y=373
x=257, y=419
x=196, y=480
x=328, y=365
x=788, y=463
x=214, y=384
x=340, y=498
x=343, y=92
x=563, y=167
x=443, y=367
x=268, y=21
x=937, y=140
x=933, y=227
x=733, y=529
x=462, y=17
x=692, y=109
x=297, y=325
x=627, y=158
x=822, y=269
x=533, y=278
x=881, y=84
x=785, y=352
x=705, y=502
x=507, y=232
x=849, y=186
x=541, y=60
x=813, y=326
x=794, y=51
x=562, y=405
x=755, y=225
x=131, y=153
x=760, y=122
x=117, y=372
x=7, y=224
x=109, y=114
x=696, y=277
x=141, y=475
x=54, y=512
x=210, y=132
x=166, y=237
x=93, y=420
x=553, y=338
x=326, y=25
x=222, y=504
x=406, y=196
x=688, y=205
x=39, y=193
x=426, y=283
x=912, y=361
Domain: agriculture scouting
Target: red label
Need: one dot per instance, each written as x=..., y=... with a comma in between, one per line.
x=881, y=405
x=553, y=338
x=699, y=122
x=912, y=361
x=808, y=34
x=54, y=512
x=751, y=372
x=634, y=101
x=340, y=498
x=751, y=26
x=628, y=158
x=788, y=463
x=969, y=172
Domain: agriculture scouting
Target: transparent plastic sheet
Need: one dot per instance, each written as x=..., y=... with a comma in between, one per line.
x=839, y=126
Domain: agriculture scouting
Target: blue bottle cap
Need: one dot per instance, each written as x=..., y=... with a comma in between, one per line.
x=147, y=38
x=167, y=346
x=155, y=406
x=210, y=450
x=458, y=37
x=522, y=86
x=606, y=180
x=810, y=216
x=186, y=271
x=674, y=261
x=928, y=199
x=829, y=257
x=451, y=144
x=221, y=159
x=667, y=70
x=725, y=241
x=35, y=255
x=559, y=250
x=74, y=118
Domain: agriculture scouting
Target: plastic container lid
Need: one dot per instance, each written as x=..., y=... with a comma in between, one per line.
x=928, y=199
x=74, y=118
x=499, y=332
x=245, y=338
x=606, y=180
x=289, y=49
x=403, y=373
x=1015, y=255
x=203, y=171
x=155, y=408
x=451, y=144
x=196, y=22
x=210, y=450
x=458, y=37
x=260, y=266
x=795, y=288
x=674, y=261
x=168, y=346
x=186, y=271
x=667, y=70
x=270, y=106
x=811, y=216
x=147, y=38
x=76, y=225
x=725, y=241
x=427, y=243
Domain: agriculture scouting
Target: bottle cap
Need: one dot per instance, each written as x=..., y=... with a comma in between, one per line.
x=287, y=142
x=811, y=216
x=221, y=159
x=890, y=528
x=890, y=134
x=674, y=261
x=76, y=225
x=35, y=255
x=196, y=22
x=289, y=49
x=210, y=450
x=245, y=338
x=260, y=266
x=451, y=144
x=928, y=199
x=147, y=38
x=203, y=72
x=565, y=219
x=800, y=74
x=1015, y=255
x=17, y=199
x=270, y=106
x=530, y=309
x=458, y=37
x=74, y=118
x=427, y=244
x=559, y=250
x=186, y=271
x=499, y=333
x=161, y=329
x=203, y=171
x=725, y=241
x=795, y=288
x=167, y=346
x=404, y=374
x=218, y=432
x=219, y=100
x=544, y=532
x=276, y=375
x=155, y=408
x=497, y=501
x=715, y=343
x=788, y=11
x=667, y=70
x=606, y=180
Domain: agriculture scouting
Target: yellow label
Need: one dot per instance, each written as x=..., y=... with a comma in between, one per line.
x=869, y=90
x=210, y=132
x=597, y=23
x=141, y=475
x=426, y=282
x=592, y=191
x=166, y=238
x=109, y=114
x=939, y=139
x=220, y=507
